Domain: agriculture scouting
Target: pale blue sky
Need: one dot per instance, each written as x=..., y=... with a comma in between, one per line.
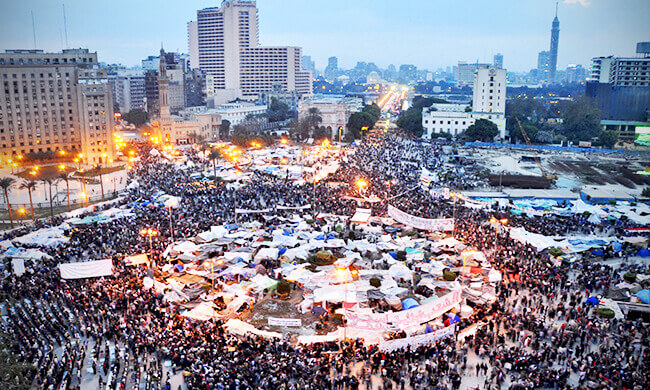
x=427, y=33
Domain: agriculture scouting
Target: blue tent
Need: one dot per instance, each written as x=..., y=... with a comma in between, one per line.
x=597, y=252
x=392, y=229
x=282, y=251
x=178, y=267
x=320, y=237
x=617, y=246
x=332, y=235
x=318, y=311
x=453, y=318
x=644, y=253
x=409, y=303
x=644, y=295
x=393, y=254
x=592, y=301
x=428, y=329
x=232, y=226
x=288, y=232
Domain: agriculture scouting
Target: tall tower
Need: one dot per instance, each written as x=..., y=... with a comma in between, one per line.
x=164, y=120
x=555, y=38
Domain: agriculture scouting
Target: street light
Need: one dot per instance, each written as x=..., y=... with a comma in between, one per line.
x=21, y=211
x=361, y=185
x=498, y=222
x=340, y=272
x=150, y=233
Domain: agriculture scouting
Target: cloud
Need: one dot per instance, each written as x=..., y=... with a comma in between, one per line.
x=584, y=3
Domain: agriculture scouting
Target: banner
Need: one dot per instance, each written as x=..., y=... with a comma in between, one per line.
x=441, y=224
x=246, y=211
x=405, y=318
x=308, y=206
x=284, y=321
x=425, y=178
x=87, y=269
x=417, y=341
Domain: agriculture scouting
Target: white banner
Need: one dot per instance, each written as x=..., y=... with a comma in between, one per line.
x=284, y=321
x=405, y=318
x=86, y=269
x=305, y=207
x=417, y=341
x=441, y=224
x=245, y=211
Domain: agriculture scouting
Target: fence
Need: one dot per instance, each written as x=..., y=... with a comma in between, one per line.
x=74, y=203
x=550, y=147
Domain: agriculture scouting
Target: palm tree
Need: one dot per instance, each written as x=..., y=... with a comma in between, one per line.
x=50, y=181
x=98, y=168
x=214, y=155
x=5, y=184
x=65, y=176
x=29, y=185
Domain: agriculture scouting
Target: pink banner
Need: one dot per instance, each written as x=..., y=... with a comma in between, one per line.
x=406, y=318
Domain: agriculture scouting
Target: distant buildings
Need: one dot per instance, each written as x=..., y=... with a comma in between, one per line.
x=489, y=103
x=226, y=42
x=175, y=67
x=543, y=65
x=53, y=102
x=498, y=60
x=620, y=86
x=129, y=90
x=335, y=112
x=308, y=64
x=332, y=70
x=555, y=39
x=465, y=72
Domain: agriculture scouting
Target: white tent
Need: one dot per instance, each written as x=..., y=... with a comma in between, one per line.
x=87, y=269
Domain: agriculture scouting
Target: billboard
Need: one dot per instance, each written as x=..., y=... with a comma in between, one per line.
x=642, y=135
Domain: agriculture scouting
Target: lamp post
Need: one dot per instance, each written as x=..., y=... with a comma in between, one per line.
x=361, y=185
x=498, y=222
x=340, y=272
x=150, y=233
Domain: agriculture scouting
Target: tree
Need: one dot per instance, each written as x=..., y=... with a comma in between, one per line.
x=136, y=117
x=357, y=122
x=224, y=129
x=29, y=185
x=581, y=120
x=98, y=169
x=482, y=130
x=214, y=155
x=66, y=177
x=15, y=373
x=278, y=110
x=314, y=117
x=49, y=182
x=5, y=184
x=515, y=131
x=608, y=138
x=411, y=119
x=299, y=128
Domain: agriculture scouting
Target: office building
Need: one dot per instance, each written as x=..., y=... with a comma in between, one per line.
x=193, y=45
x=407, y=73
x=489, y=102
x=543, y=65
x=129, y=90
x=55, y=102
x=331, y=72
x=620, y=86
x=465, y=72
x=575, y=74
x=498, y=60
x=194, y=88
x=308, y=64
x=235, y=64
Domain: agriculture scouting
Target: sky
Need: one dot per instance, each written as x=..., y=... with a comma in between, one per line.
x=427, y=33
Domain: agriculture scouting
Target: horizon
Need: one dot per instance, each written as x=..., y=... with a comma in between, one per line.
x=587, y=29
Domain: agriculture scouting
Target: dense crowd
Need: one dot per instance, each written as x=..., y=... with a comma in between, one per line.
x=537, y=334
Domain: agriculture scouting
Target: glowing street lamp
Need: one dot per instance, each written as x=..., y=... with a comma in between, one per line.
x=361, y=185
x=498, y=222
x=149, y=232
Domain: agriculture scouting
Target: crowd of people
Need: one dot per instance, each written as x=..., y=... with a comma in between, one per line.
x=114, y=334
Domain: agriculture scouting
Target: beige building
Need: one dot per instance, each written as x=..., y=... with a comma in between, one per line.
x=225, y=41
x=334, y=111
x=51, y=102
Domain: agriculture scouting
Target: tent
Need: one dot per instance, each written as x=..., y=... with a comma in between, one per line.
x=318, y=311
x=409, y=303
x=644, y=296
x=592, y=301
x=644, y=253
x=136, y=259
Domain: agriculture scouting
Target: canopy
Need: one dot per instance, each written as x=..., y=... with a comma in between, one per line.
x=136, y=259
x=644, y=296
x=87, y=269
x=409, y=303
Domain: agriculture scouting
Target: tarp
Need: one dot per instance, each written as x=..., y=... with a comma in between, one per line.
x=241, y=328
x=409, y=303
x=644, y=253
x=203, y=312
x=643, y=295
x=361, y=215
x=87, y=269
x=18, y=266
x=136, y=259
x=442, y=224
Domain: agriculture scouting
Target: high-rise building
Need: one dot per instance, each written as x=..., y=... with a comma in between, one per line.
x=489, y=103
x=194, y=88
x=555, y=39
x=193, y=45
x=407, y=72
x=55, y=102
x=465, y=72
x=543, y=65
x=575, y=73
x=498, y=60
x=620, y=86
x=176, y=68
x=308, y=64
x=229, y=53
x=129, y=90
x=332, y=69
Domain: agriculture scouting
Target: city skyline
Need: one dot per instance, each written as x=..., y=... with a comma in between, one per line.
x=365, y=31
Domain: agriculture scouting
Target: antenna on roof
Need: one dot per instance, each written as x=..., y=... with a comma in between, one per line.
x=65, y=26
x=556, y=3
x=33, y=29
